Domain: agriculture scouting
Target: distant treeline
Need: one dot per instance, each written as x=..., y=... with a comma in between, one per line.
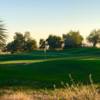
x=24, y=42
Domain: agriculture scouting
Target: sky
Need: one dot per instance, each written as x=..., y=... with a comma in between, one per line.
x=44, y=17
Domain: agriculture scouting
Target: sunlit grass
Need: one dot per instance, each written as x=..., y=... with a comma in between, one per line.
x=50, y=59
x=21, y=61
x=68, y=93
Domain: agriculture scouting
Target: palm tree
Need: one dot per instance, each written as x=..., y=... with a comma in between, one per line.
x=2, y=35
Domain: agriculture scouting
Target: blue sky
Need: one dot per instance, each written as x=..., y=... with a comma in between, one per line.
x=44, y=17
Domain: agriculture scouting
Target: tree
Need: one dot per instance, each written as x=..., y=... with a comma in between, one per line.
x=54, y=42
x=42, y=44
x=72, y=39
x=2, y=35
x=30, y=45
x=94, y=37
x=27, y=36
x=17, y=45
x=22, y=43
x=11, y=47
x=19, y=41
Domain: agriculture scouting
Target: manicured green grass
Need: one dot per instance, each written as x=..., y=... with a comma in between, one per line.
x=39, y=71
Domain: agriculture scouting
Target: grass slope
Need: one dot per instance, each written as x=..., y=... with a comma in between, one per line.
x=39, y=71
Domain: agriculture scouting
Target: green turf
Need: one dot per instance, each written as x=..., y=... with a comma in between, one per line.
x=39, y=71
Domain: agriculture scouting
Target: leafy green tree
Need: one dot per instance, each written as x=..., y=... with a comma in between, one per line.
x=11, y=47
x=72, y=39
x=42, y=44
x=17, y=45
x=30, y=45
x=22, y=43
x=54, y=42
x=19, y=41
x=27, y=36
x=94, y=37
x=2, y=35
